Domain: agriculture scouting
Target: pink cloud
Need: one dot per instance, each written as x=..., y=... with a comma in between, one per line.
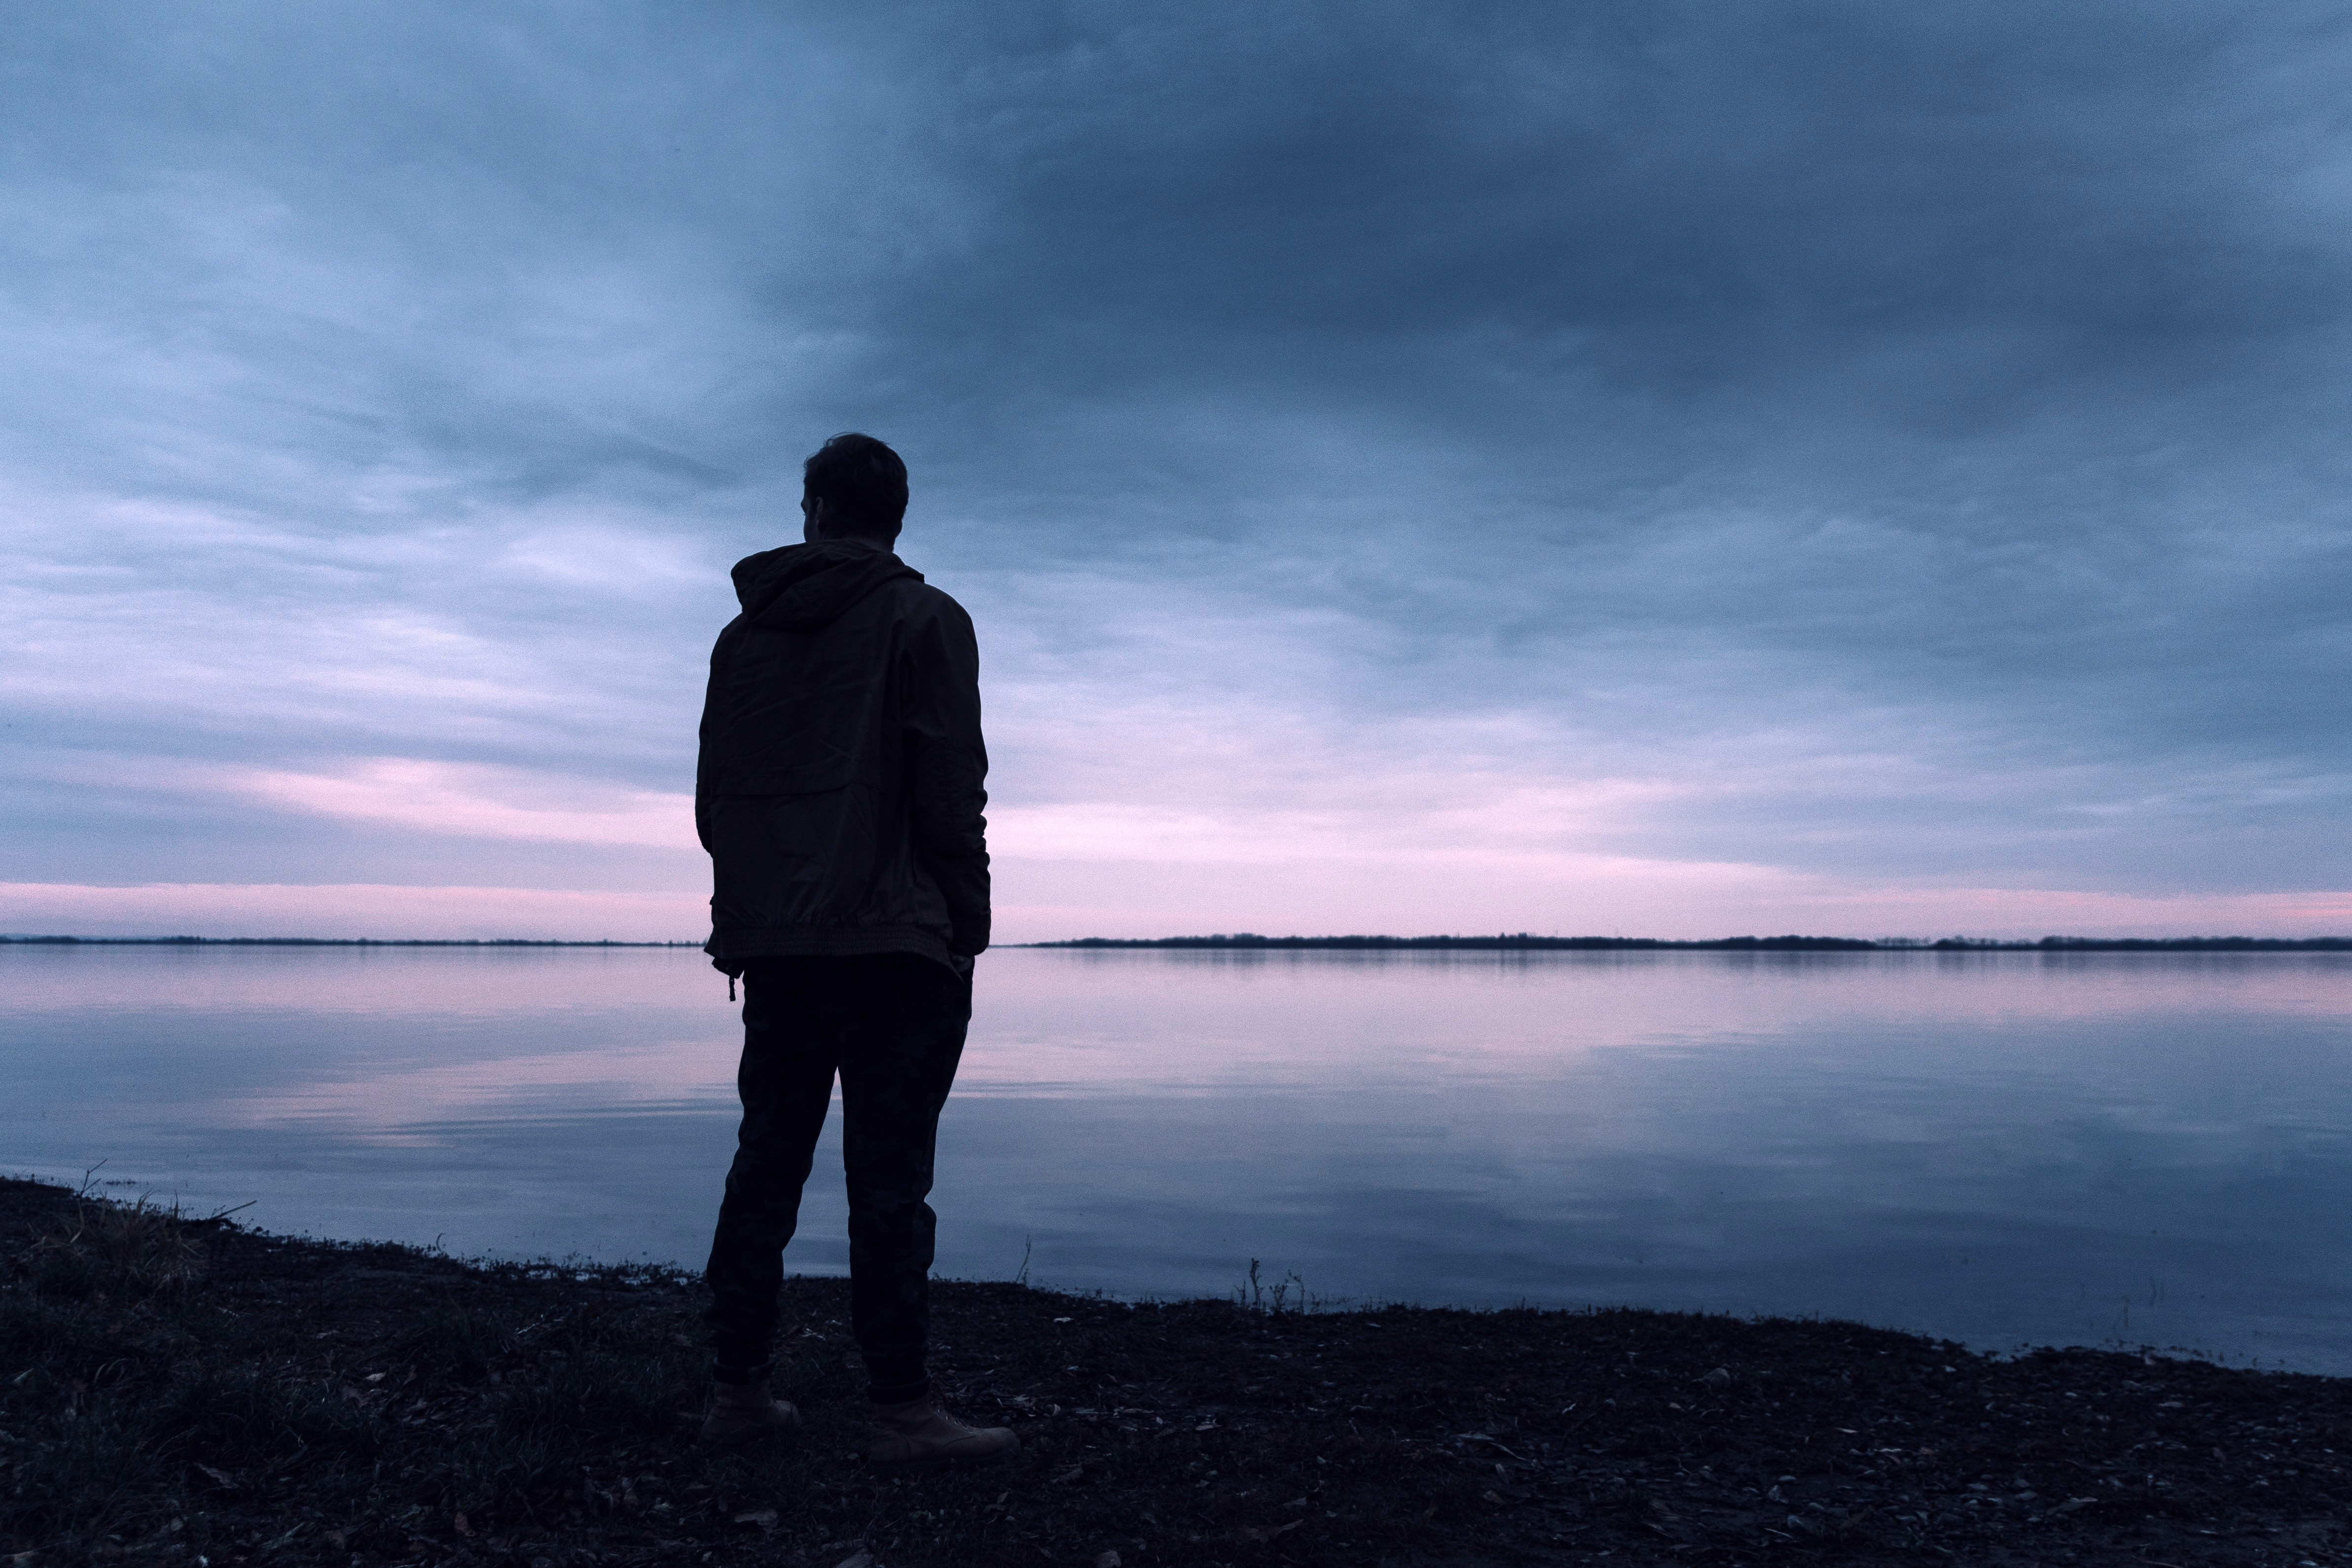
x=475, y=800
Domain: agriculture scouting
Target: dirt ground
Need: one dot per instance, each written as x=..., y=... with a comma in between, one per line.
x=200, y=1394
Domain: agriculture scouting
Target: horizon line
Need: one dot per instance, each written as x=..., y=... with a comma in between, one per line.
x=1528, y=941
x=1252, y=941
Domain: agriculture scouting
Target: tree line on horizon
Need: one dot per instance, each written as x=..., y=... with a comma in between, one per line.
x=1509, y=940
x=1500, y=941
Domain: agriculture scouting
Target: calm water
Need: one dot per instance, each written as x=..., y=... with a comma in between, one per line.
x=2004, y=1149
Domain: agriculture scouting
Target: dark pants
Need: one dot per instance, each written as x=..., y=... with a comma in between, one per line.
x=892, y=1025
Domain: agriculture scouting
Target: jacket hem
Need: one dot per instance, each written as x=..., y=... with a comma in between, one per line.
x=732, y=949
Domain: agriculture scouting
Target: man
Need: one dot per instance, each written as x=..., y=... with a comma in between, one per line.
x=839, y=796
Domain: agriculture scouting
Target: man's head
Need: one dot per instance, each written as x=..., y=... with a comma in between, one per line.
x=853, y=486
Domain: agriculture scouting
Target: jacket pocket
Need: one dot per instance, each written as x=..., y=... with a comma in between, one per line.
x=797, y=859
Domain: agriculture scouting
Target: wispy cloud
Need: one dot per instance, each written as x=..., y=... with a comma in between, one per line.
x=476, y=802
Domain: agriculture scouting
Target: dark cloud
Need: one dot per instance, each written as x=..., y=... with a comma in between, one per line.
x=1677, y=198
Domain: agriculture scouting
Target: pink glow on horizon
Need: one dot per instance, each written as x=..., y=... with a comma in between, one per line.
x=386, y=911
x=1408, y=854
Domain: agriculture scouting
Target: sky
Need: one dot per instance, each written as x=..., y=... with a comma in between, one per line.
x=1654, y=468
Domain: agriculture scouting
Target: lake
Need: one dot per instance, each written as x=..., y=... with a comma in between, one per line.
x=2006, y=1148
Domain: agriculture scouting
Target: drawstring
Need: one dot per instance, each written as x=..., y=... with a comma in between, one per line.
x=731, y=988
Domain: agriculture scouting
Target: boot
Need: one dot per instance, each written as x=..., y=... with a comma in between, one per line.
x=920, y=1433
x=740, y=1412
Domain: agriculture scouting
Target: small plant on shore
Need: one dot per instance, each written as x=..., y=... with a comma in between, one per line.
x=1287, y=1294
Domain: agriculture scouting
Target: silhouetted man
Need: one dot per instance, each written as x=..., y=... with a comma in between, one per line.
x=839, y=795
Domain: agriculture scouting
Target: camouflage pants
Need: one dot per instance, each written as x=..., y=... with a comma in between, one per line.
x=893, y=1025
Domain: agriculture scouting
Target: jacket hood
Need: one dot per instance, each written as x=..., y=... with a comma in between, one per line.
x=801, y=587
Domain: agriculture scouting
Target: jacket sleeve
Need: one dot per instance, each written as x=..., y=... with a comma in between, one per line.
x=947, y=766
x=707, y=752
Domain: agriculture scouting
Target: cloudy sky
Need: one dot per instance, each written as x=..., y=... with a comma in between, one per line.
x=1657, y=468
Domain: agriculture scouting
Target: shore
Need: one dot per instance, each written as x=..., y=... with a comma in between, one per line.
x=176, y=1391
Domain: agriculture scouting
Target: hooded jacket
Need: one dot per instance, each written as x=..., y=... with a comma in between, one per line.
x=839, y=789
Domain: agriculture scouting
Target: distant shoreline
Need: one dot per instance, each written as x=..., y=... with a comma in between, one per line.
x=1523, y=942
x=1250, y=941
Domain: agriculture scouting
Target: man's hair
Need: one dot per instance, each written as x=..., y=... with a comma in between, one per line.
x=861, y=482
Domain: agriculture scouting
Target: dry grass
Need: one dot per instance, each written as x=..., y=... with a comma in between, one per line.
x=95, y=1246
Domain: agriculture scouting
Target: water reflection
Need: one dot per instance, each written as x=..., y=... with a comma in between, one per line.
x=2004, y=1148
